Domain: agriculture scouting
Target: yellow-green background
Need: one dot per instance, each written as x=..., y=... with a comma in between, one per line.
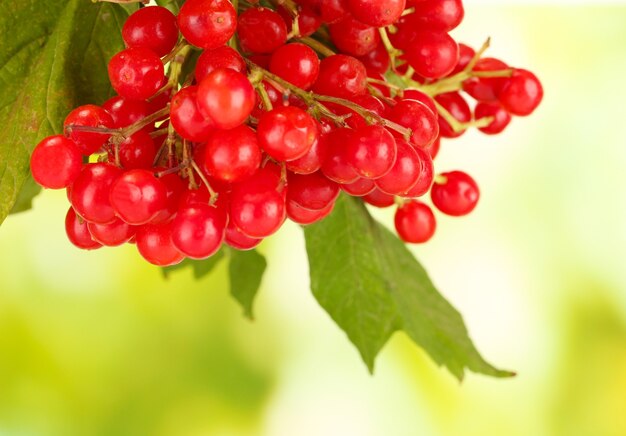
x=98, y=344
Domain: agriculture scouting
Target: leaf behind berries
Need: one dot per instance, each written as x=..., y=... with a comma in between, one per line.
x=371, y=286
x=201, y=268
x=53, y=57
x=246, y=270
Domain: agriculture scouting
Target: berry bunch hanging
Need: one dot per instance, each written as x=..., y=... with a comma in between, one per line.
x=232, y=117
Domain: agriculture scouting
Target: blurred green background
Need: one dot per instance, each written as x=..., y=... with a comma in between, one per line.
x=99, y=344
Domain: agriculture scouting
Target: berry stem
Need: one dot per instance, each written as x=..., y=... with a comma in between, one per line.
x=188, y=168
x=317, y=46
x=214, y=195
x=393, y=52
x=265, y=98
x=456, y=125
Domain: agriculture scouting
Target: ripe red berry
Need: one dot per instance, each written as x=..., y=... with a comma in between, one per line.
x=456, y=105
x=207, y=24
x=377, y=60
x=404, y=173
x=198, y=231
x=113, y=234
x=78, y=233
x=237, y=240
x=186, y=117
x=308, y=20
x=455, y=193
x=152, y=27
x=311, y=191
x=377, y=198
x=353, y=37
x=232, y=155
x=414, y=94
x=442, y=15
x=360, y=188
x=341, y=76
x=371, y=151
x=136, y=152
x=486, y=89
x=522, y=93
x=431, y=54
x=226, y=97
x=136, y=73
x=297, y=64
x=175, y=187
x=416, y=116
x=261, y=30
x=90, y=192
x=125, y=111
x=426, y=175
x=287, y=133
x=377, y=13
x=333, y=10
x=466, y=54
x=311, y=161
x=501, y=118
x=154, y=243
x=137, y=196
x=88, y=116
x=415, y=222
x=305, y=217
x=221, y=57
x=56, y=162
x=335, y=165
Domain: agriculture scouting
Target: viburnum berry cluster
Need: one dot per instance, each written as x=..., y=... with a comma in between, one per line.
x=289, y=103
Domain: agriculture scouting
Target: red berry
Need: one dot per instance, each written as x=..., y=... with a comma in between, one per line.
x=360, y=188
x=138, y=196
x=341, y=76
x=456, y=194
x=456, y=105
x=308, y=20
x=237, y=240
x=353, y=37
x=226, y=97
x=78, y=233
x=466, y=54
x=305, y=217
x=297, y=64
x=426, y=175
x=232, y=155
x=175, y=187
x=366, y=101
x=404, y=173
x=287, y=133
x=207, y=24
x=113, y=234
x=522, y=93
x=138, y=151
x=126, y=111
x=311, y=161
x=486, y=89
x=371, y=151
x=155, y=244
x=261, y=30
x=312, y=191
x=377, y=13
x=377, y=60
x=416, y=116
x=379, y=199
x=198, y=231
x=88, y=116
x=431, y=54
x=414, y=94
x=221, y=57
x=56, y=162
x=443, y=15
x=186, y=117
x=415, y=222
x=152, y=27
x=335, y=165
x=501, y=118
x=90, y=192
x=136, y=73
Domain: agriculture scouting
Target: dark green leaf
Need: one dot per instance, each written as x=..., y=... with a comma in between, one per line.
x=201, y=268
x=172, y=5
x=24, y=200
x=371, y=285
x=53, y=57
x=246, y=272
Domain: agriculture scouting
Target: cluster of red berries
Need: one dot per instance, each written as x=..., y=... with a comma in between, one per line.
x=286, y=107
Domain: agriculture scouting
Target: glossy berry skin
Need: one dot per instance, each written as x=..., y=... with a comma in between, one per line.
x=333, y=10
x=377, y=13
x=426, y=175
x=377, y=60
x=371, y=151
x=360, y=188
x=90, y=191
x=486, y=89
x=297, y=63
x=175, y=187
x=136, y=73
x=312, y=191
x=456, y=194
x=113, y=234
x=415, y=222
x=379, y=199
x=522, y=93
x=138, y=196
x=138, y=151
x=88, y=116
x=287, y=133
x=78, y=233
x=366, y=101
x=125, y=111
x=414, y=94
x=335, y=165
x=404, y=173
x=341, y=76
x=56, y=162
x=416, y=116
x=432, y=54
x=308, y=20
x=454, y=103
x=221, y=57
x=261, y=31
x=207, y=24
x=198, y=231
x=305, y=217
x=186, y=118
x=442, y=15
x=226, y=97
x=155, y=244
x=353, y=37
x=232, y=155
x=237, y=240
x=501, y=118
x=466, y=54
x=153, y=28
x=311, y=161
x=257, y=209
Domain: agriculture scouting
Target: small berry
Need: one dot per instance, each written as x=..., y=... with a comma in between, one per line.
x=455, y=194
x=155, y=244
x=136, y=73
x=261, y=30
x=522, y=93
x=56, y=162
x=186, y=118
x=88, y=116
x=152, y=27
x=78, y=233
x=90, y=192
x=198, y=231
x=232, y=155
x=415, y=222
x=287, y=133
x=207, y=24
x=138, y=196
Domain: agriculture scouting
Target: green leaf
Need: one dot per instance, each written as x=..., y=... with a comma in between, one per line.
x=172, y=5
x=372, y=286
x=246, y=273
x=53, y=57
x=201, y=268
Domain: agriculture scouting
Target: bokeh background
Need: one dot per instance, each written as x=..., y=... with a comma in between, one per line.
x=99, y=344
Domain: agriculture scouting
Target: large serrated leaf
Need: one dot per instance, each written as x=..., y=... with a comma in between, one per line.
x=53, y=57
x=371, y=285
x=246, y=270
